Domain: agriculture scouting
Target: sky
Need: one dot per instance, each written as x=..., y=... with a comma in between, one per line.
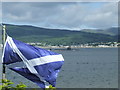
x=61, y=15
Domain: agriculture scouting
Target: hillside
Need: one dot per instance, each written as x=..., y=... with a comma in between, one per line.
x=27, y=33
x=110, y=31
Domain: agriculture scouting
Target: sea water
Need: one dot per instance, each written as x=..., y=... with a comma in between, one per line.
x=83, y=68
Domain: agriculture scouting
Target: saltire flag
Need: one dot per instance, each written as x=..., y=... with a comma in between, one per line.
x=42, y=66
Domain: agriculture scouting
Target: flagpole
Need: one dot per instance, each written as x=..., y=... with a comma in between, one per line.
x=3, y=41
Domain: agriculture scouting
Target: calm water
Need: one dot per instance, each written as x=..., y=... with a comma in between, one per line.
x=83, y=68
x=0, y=64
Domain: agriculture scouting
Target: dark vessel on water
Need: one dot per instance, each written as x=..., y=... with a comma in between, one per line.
x=69, y=48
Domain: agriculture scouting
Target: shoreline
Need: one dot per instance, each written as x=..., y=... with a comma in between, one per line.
x=72, y=47
x=65, y=47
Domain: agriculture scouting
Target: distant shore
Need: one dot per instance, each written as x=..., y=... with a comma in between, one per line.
x=72, y=47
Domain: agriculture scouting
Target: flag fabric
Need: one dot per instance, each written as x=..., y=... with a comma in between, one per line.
x=27, y=74
x=42, y=65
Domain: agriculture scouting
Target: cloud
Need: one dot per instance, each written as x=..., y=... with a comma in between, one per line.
x=60, y=0
x=0, y=13
x=103, y=17
x=70, y=15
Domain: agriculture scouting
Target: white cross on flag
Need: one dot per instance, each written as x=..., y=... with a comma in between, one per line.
x=42, y=66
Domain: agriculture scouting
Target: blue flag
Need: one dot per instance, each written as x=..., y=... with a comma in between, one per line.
x=42, y=65
x=27, y=74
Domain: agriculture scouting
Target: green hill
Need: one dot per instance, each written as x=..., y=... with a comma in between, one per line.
x=27, y=33
x=110, y=31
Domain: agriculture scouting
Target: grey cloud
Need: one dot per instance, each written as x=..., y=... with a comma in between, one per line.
x=59, y=0
x=106, y=16
x=61, y=15
x=0, y=13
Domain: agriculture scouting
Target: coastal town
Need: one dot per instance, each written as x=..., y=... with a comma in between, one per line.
x=87, y=45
